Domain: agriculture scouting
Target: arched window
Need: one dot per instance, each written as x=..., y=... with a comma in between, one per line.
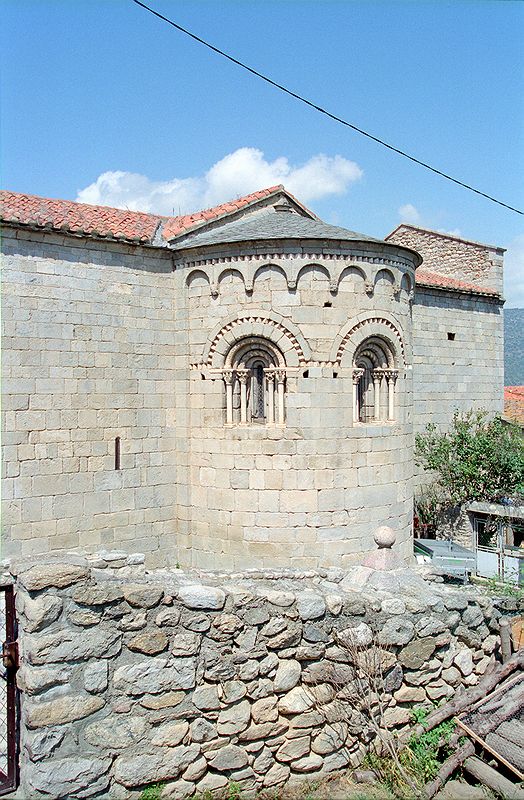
x=254, y=375
x=374, y=379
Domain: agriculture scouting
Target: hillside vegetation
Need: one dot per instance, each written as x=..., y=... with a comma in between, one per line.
x=514, y=347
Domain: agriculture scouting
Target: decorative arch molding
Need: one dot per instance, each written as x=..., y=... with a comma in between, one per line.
x=252, y=271
x=387, y=275
x=353, y=334
x=194, y=274
x=334, y=265
x=283, y=333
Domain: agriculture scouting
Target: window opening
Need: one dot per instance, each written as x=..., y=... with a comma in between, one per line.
x=117, y=453
x=374, y=379
x=255, y=377
x=257, y=391
x=451, y=336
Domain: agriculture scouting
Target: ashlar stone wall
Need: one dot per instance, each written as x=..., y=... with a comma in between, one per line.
x=196, y=679
x=458, y=347
x=310, y=493
x=88, y=355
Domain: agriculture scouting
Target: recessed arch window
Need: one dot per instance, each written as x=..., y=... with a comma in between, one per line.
x=254, y=374
x=374, y=380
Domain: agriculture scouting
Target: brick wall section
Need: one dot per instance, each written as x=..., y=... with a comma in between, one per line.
x=88, y=355
x=449, y=255
x=200, y=680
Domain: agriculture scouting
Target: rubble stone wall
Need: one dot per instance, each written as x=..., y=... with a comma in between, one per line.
x=450, y=255
x=129, y=678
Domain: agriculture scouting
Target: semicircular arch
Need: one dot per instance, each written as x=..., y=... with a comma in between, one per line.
x=263, y=324
x=354, y=333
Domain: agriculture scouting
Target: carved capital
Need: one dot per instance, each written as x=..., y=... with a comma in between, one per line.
x=391, y=375
x=281, y=375
x=357, y=374
x=228, y=375
x=243, y=375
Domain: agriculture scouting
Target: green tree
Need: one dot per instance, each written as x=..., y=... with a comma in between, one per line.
x=477, y=459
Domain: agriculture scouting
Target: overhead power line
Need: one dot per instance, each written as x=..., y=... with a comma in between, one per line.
x=323, y=110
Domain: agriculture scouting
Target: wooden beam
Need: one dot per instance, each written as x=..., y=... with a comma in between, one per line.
x=493, y=779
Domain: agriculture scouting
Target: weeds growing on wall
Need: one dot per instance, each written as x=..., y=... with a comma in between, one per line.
x=420, y=760
x=496, y=588
x=152, y=792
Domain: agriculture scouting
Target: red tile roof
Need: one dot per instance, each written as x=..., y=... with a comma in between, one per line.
x=514, y=403
x=114, y=223
x=78, y=218
x=175, y=226
x=426, y=277
x=134, y=226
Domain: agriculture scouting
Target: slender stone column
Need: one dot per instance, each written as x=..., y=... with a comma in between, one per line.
x=377, y=380
x=270, y=380
x=391, y=377
x=228, y=379
x=243, y=375
x=281, y=379
x=357, y=374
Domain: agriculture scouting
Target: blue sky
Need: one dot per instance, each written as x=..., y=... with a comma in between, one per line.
x=105, y=103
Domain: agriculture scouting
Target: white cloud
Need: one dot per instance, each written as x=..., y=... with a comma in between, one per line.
x=452, y=232
x=239, y=173
x=408, y=213
x=514, y=273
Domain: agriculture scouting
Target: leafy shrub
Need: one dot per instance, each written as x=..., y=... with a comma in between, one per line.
x=477, y=459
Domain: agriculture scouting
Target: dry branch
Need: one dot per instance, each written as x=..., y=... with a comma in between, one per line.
x=448, y=768
x=471, y=696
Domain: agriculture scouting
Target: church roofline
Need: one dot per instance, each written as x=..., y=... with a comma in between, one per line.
x=426, y=278
x=154, y=230
x=133, y=227
x=444, y=235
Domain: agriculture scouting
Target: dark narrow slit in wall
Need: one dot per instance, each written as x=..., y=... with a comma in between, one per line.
x=335, y=374
x=305, y=374
x=328, y=304
x=451, y=336
x=117, y=453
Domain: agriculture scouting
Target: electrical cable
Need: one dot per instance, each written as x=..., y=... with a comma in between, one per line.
x=323, y=110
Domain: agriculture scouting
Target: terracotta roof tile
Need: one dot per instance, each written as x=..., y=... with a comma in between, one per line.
x=175, y=226
x=136, y=226
x=65, y=215
x=426, y=277
x=114, y=223
x=514, y=403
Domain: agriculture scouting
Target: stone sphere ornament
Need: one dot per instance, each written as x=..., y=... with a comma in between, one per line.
x=385, y=536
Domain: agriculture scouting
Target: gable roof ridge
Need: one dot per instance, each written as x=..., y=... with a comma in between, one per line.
x=444, y=235
x=178, y=227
